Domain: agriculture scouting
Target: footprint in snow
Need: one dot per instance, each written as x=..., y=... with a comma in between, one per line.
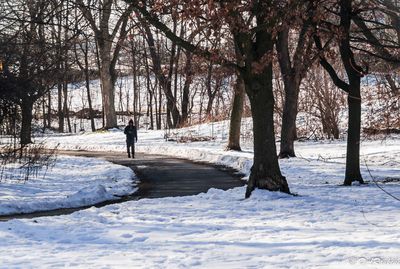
x=126, y=236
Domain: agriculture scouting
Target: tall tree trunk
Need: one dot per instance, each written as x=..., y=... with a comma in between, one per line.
x=87, y=78
x=186, y=88
x=150, y=91
x=288, y=131
x=107, y=83
x=49, y=116
x=26, y=124
x=159, y=124
x=354, y=73
x=44, y=114
x=210, y=93
x=352, y=88
x=353, y=172
x=265, y=172
x=60, y=108
x=292, y=75
x=65, y=106
x=150, y=105
x=236, y=116
x=136, y=89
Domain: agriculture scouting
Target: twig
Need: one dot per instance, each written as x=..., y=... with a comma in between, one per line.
x=376, y=183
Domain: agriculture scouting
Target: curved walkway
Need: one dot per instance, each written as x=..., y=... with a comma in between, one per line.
x=160, y=176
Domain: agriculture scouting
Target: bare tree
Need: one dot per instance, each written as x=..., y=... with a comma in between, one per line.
x=294, y=64
x=109, y=37
x=30, y=65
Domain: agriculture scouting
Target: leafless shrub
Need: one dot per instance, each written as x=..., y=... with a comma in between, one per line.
x=25, y=162
x=187, y=137
x=325, y=104
x=382, y=108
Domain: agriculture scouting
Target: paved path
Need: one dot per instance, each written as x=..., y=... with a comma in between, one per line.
x=160, y=176
x=164, y=176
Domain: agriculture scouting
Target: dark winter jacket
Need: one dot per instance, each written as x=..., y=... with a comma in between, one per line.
x=131, y=134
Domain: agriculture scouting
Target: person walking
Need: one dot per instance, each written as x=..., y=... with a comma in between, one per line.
x=131, y=137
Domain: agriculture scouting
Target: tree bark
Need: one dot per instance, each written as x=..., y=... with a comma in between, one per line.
x=186, y=88
x=150, y=91
x=44, y=114
x=108, y=91
x=353, y=137
x=87, y=80
x=288, y=131
x=65, y=106
x=60, y=109
x=49, y=112
x=392, y=84
x=265, y=172
x=236, y=116
x=91, y=114
x=26, y=124
x=210, y=93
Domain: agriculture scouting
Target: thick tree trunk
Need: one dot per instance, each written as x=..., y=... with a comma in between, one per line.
x=288, y=130
x=353, y=135
x=236, y=116
x=265, y=172
x=26, y=125
x=107, y=89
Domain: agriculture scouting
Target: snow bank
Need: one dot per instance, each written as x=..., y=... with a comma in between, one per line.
x=72, y=182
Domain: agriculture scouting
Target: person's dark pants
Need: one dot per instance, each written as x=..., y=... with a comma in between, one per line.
x=130, y=148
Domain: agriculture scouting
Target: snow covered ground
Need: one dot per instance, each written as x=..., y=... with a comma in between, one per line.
x=325, y=226
x=72, y=182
